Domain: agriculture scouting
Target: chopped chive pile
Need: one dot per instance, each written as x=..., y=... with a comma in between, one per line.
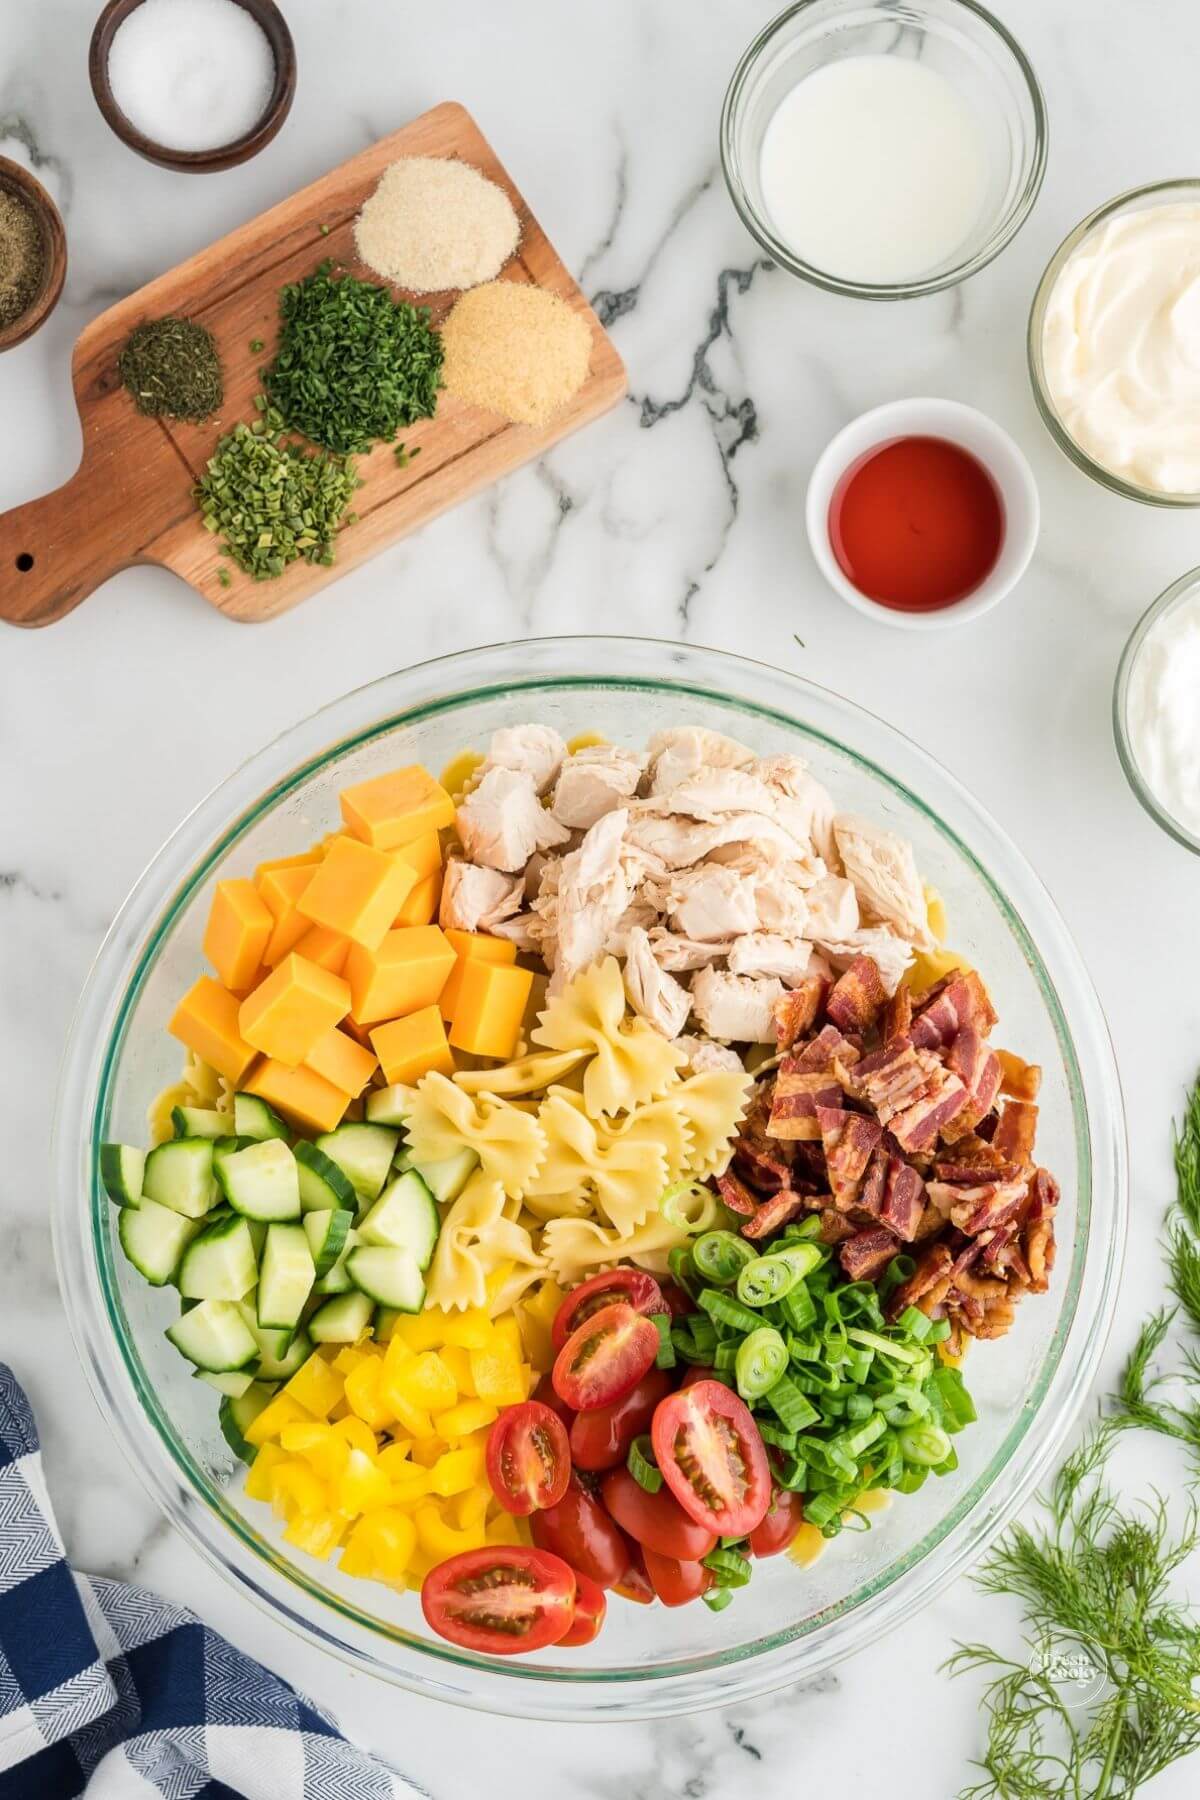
x=271, y=501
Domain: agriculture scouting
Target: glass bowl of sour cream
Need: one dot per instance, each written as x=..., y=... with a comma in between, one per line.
x=1156, y=710
x=1114, y=344
x=883, y=148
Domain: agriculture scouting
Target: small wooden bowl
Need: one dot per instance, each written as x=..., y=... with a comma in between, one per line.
x=225, y=156
x=54, y=248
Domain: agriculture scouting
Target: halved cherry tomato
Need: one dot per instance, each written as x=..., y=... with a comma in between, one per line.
x=635, y=1583
x=600, y=1439
x=544, y=1393
x=590, y=1608
x=712, y=1458
x=655, y=1521
x=528, y=1458
x=580, y=1531
x=676, y=1582
x=695, y=1374
x=605, y=1357
x=501, y=1600
x=677, y=1303
x=633, y=1286
x=778, y=1525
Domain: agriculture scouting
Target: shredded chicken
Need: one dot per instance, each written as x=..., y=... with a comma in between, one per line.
x=594, y=890
x=832, y=910
x=884, y=872
x=890, y=954
x=702, y=1055
x=683, y=750
x=680, y=953
x=501, y=823
x=770, y=953
x=805, y=807
x=736, y=1009
x=477, y=899
x=533, y=750
x=661, y=1000
x=710, y=903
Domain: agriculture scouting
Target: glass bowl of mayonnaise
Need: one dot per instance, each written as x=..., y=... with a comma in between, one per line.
x=1114, y=344
x=1156, y=710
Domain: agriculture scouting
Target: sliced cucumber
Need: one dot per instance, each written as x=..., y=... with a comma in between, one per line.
x=180, y=1175
x=405, y=1217
x=285, y=1277
x=335, y=1279
x=220, y=1264
x=389, y=1105
x=386, y=1319
x=447, y=1178
x=122, y=1169
x=327, y=1233
x=232, y=1385
x=261, y=1181
x=238, y=1412
x=363, y=1153
x=214, y=1336
x=253, y=1118
x=154, y=1239
x=280, y=1353
x=342, y=1320
x=389, y=1277
x=323, y=1185
x=198, y=1121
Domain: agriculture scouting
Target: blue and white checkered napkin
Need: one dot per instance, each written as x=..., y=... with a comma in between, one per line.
x=107, y=1691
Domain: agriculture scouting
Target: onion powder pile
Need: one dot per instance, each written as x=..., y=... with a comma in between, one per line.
x=191, y=74
x=433, y=224
x=516, y=350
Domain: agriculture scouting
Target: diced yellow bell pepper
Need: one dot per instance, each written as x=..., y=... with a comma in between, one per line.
x=357, y=1434
x=318, y=1535
x=497, y=1377
x=469, y=1509
x=439, y=1539
x=412, y=1420
x=380, y=1546
x=295, y=1488
x=258, y=1481
x=349, y=1357
x=316, y=1386
x=419, y=1565
x=283, y=1410
x=458, y=1361
x=426, y=1330
x=409, y=1484
x=468, y=1416
x=504, y=1529
x=323, y=1448
x=469, y=1330
x=506, y=1338
x=425, y=1382
x=365, y=1394
x=426, y=1451
x=361, y=1485
x=456, y=1470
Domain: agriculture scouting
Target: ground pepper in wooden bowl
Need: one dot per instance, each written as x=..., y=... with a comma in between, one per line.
x=22, y=256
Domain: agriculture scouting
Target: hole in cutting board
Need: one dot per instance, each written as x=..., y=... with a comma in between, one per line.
x=25, y=562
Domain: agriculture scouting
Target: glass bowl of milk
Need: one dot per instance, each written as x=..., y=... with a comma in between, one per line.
x=1156, y=710
x=883, y=148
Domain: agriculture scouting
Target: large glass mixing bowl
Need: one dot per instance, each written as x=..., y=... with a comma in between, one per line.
x=789, y=1623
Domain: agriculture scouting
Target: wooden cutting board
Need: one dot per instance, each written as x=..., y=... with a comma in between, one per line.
x=130, y=500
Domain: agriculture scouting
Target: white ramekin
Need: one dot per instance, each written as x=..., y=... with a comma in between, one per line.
x=959, y=424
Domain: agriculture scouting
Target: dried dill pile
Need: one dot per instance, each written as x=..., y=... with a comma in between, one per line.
x=172, y=369
x=22, y=256
x=353, y=365
x=272, y=502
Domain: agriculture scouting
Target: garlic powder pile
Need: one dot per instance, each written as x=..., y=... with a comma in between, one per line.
x=516, y=350
x=433, y=224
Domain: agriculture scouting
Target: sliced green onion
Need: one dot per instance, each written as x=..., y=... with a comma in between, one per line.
x=666, y=1349
x=807, y=1349
x=717, y=1598
x=774, y=1434
x=729, y=1569
x=798, y=1307
x=855, y=1442
x=913, y=1478
x=725, y=1356
x=642, y=1466
x=720, y=1255
x=802, y=1228
x=764, y=1280
x=792, y=1473
x=913, y=1321
x=724, y=1309
x=859, y=1406
x=939, y=1331
x=794, y=1412
x=690, y=1207
x=925, y=1445
x=949, y=1465
x=804, y=1257
x=871, y=1340
x=958, y=1409
x=761, y=1360
x=823, y=1510
x=898, y=1270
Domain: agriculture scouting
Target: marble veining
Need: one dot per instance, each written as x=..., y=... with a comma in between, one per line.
x=679, y=515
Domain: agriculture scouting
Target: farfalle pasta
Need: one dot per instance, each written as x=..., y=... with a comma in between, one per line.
x=629, y=1061
x=476, y=1241
x=443, y=1120
x=623, y=1177
x=712, y=1103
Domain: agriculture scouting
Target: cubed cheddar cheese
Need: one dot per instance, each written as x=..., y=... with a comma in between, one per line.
x=357, y=891
x=406, y=972
x=397, y=807
x=295, y=1007
x=304, y=1098
x=238, y=932
x=423, y=855
x=467, y=945
x=303, y=859
x=343, y=1062
x=281, y=888
x=414, y=1046
x=421, y=907
x=206, y=1020
x=329, y=949
x=490, y=1007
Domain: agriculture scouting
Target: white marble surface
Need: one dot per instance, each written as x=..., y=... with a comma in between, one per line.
x=678, y=515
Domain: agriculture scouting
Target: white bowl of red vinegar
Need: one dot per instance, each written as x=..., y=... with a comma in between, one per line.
x=922, y=514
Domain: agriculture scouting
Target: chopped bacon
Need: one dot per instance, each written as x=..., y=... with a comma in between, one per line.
x=977, y=1066
x=962, y=1000
x=819, y=1053
x=858, y=996
x=996, y=1320
x=759, y=1169
x=798, y=1012
x=871, y=1194
x=897, y=1015
x=1017, y=1130
x=891, y=1078
x=973, y=1159
x=928, y=1284
x=903, y=1199
x=835, y=1227
x=918, y=1126
x=775, y=1213
x=737, y=1195
x=850, y=1140
x=868, y=1253
x=1039, y=1252
x=1020, y=1080
x=992, y=1203
x=929, y=1224
x=797, y=1097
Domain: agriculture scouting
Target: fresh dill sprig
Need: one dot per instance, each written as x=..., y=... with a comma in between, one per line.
x=1187, y=1163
